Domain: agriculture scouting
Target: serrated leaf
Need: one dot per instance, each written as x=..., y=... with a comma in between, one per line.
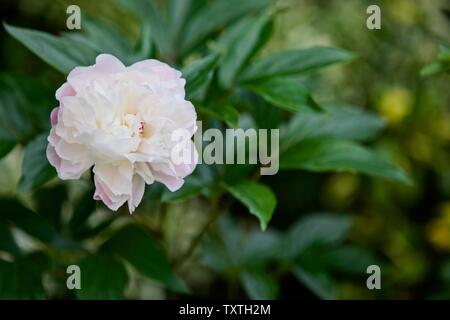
x=321, y=155
x=144, y=253
x=36, y=170
x=258, y=198
x=294, y=62
x=285, y=93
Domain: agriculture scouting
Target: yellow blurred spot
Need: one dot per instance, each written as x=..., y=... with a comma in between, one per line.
x=421, y=148
x=395, y=104
x=404, y=11
x=340, y=189
x=442, y=127
x=438, y=230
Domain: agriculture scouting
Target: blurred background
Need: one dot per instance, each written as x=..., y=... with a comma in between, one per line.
x=404, y=229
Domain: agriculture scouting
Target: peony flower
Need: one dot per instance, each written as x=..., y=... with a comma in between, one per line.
x=119, y=120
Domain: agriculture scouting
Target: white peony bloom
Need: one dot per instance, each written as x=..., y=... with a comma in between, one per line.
x=120, y=120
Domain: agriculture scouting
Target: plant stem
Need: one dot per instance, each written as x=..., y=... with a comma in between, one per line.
x=214, y=213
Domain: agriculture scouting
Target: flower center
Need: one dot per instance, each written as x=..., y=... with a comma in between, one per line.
x=141, y=127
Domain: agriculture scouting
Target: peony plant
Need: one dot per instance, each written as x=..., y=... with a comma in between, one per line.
x=119, y=100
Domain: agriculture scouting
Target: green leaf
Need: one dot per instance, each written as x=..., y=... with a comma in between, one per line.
x=143, y=48
x=198, y=73
x=285, y=93
x=22, y=279
x=33, y=224
x=7, y=242
x=149, y=11
x=103, y=278
x=294, y=62
x=225, y=112
x=339, y=121
x=350, y=259
x=101, y=38
x=263, y=113
x=260, y=247
x=444, y=53
x=82, y=210
x=338, y=155
x=319, y=228
x=63, y=54
x=25, y=106
x=145, y=255
x=178, y=14
x=258, y=198
x=51, y=209
x=36, y=170
x=5, y=147
x=192, y=187
x=443, y=64
x=434, y=68
x=259, y=285
x=215, y=16
x=241, y=49
x=319, y=283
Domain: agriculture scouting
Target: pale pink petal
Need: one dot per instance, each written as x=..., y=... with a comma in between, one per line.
x=54, y=116
x=117, y=177
x=103, y=193
x=173, y=183
x=53, y=157
x=65, y=90
x=137, y=193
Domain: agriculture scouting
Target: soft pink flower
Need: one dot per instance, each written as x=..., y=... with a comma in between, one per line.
x=120, y=120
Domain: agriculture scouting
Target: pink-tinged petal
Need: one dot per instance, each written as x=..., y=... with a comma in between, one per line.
x=53, y=157
x=81, y=77
x=119, y=119
x=103, y=193
x=144, y=171
x=54, y=116
x=65, y=90
x=107, y=63
x=137, y=193
x=173, y=183
x=185, y=169
x=74, y=152
x=166, y=76
x=118, y=177
x=69, y=170
x=53, y=138
x=147, y=65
